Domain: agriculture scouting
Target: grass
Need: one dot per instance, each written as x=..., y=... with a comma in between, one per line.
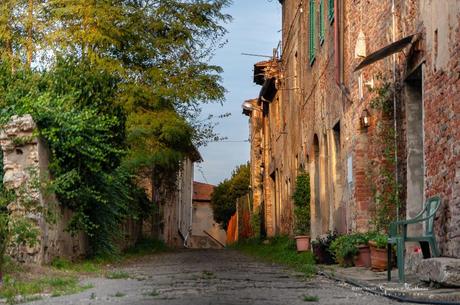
x=208, y=275
x=281, y=250
x=310, y=298
x=117, y=275
x=23, y=284
x=145, y=247
x=152, y=293
x=87, y=267
x=119, y=294
x=15, y=290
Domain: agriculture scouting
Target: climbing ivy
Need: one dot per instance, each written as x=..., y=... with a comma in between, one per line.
x=386, y=188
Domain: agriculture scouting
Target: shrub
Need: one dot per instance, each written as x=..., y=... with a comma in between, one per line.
x=301, y=199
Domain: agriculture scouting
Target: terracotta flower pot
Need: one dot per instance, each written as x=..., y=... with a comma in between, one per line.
x=363, y=258
x=379, y=258
x=303, y=243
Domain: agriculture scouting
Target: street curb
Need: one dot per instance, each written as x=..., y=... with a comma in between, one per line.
x=380, y=291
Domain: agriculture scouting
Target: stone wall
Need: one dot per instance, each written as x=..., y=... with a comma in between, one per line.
x=25, y=163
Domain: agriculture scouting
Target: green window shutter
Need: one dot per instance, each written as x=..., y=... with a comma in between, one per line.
x=330, y=11
x=311, y=51
x=321, y=22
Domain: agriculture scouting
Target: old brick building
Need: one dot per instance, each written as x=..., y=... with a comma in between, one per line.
x=316, y=112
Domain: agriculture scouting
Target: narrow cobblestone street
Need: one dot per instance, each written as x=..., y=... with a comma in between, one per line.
x=214, y=277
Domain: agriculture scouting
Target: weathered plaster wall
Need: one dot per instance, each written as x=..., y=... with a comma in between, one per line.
x=203, y=221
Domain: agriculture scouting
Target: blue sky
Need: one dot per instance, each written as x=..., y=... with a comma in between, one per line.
x=254, y=29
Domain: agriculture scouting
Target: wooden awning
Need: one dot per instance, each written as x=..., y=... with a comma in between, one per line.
x=387, y=51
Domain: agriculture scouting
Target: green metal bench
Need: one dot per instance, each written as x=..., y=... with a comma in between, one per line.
x=398, y=236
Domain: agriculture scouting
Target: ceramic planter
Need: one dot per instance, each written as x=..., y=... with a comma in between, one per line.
x=379, y=258
x=363, y=258
x=303, y=243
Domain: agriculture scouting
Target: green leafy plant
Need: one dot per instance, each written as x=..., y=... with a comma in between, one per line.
x=301, y=197
x=386, y=189
x=379, y=240
x=226, y=194
x=344, y=249
x=17, y=230
x=310, y=298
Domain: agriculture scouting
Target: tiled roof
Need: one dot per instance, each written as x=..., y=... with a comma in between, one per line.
x=202, y=191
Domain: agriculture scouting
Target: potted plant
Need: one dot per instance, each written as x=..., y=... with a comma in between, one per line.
x=321, y=248
x=379, y=258
x=344, y=249
x=363, y=255
x=301, y=198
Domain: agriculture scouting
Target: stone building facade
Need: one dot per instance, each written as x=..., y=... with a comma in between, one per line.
x=394, y=121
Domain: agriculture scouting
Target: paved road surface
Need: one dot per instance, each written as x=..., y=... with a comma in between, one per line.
x=214, y=277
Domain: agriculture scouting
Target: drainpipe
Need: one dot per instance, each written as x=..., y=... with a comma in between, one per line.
x=336, y=42
x=393, y=12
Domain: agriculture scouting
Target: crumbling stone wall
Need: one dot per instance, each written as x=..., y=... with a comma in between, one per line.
x=25, y=163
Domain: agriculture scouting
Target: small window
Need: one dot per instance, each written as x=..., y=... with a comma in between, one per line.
x=311, y=51
x=330, y=11
x=321, y=22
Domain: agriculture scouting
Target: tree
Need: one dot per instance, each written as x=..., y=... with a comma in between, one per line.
x=223, y=199
x=301, y=199
x=116, y=92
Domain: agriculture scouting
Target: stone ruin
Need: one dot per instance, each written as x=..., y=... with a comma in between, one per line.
x=25, y=165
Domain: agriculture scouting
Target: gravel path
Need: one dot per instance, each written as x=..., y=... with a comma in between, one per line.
x=214, y=277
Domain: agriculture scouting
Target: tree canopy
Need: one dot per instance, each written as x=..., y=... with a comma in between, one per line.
x=223, y=199
x=116, y=88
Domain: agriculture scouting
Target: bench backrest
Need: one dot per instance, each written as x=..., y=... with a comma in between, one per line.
x=431, y=206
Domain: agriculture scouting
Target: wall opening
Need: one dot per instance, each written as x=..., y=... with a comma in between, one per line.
x=337, y=185
x=414, y=144
x=316, y=208
x=274, y=201
x=325, y=196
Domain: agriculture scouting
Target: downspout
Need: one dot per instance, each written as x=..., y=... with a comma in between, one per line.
x=337, y=42
x=189, y=234
x=393, y=12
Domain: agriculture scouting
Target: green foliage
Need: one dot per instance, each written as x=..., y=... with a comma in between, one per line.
x=281, y=250
x=223, y=199
x=302, y=220
x=117, y=93
x=16, y=230
x=344, y=248
x=146, y=246
x=256, y=220
x=382, y=99
x=379, y=240
x=27, y=290
x=310, y=298
x=85, y=133
x=301, y=199
x=117, y=274
x=386, y=187
x=302, y=193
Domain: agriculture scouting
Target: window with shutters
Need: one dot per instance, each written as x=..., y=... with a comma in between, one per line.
x=321, y=22
x=330, y=11
x=311, y=39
